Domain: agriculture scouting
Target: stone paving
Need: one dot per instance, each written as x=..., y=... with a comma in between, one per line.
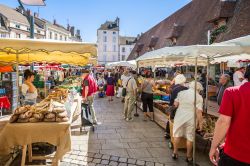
x=116, y=142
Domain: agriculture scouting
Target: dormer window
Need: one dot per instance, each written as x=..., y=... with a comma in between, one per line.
x=223, y=12
x=153, y=43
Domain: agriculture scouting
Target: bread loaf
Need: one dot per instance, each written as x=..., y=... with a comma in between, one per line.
x=50, y=116
x=23, y=120
x=62, y=114
x=13, y=118
x=38, y=116
x=49, y=120
x=34, y=120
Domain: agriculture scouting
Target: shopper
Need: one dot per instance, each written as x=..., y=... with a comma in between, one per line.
x=233, y=127
x=110, y=87
x=147, y=96
x=224, y=83
x=130, y=98
x=238, y=76
x=89, y=88
x=124, y=78
x=184, y=119
x=29, y=91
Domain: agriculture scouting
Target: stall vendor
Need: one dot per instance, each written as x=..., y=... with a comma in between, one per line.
x=29, y=91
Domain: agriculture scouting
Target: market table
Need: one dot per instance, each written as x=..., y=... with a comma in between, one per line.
x=24, y=134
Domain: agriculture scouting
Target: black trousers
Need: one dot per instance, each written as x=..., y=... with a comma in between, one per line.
x=147, y=102
x=226, y=160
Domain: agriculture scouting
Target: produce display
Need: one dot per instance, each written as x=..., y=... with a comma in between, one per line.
x=51, y=109
x=208, y=126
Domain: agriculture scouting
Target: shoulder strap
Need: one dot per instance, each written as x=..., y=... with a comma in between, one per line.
x=128, y=81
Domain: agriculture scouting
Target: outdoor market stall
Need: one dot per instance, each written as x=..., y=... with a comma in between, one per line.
x=196, y=55
x=129, y=64
x=54, y=130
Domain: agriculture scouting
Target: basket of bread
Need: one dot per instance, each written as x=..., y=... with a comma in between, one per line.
x=45, y=111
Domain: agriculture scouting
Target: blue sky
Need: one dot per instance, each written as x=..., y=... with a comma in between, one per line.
x=136, y=16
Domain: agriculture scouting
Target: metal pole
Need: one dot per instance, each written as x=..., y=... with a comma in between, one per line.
x=17, y=73
x=208, y=74
x=194, y=132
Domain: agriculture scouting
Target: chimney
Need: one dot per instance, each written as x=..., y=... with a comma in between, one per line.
x=20, y=9
x=54, y=21
x=68, y=27
x=36, y=15
x=29, y=13
x=72, y=31
x=78, y=32
x=117, y=21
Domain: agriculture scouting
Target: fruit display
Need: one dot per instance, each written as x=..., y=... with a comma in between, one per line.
x=51, y=109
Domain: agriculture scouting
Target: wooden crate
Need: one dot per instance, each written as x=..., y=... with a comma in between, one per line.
x=182, y=144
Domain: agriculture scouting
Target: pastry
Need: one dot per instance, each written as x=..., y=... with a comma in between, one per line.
x=13, y=118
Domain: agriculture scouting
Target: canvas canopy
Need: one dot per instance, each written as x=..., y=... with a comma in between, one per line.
x=131, y=64
x=186, y=54
x=43, y=51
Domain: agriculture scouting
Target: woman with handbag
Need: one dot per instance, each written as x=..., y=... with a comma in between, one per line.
x=184, y=119
x=147, y=96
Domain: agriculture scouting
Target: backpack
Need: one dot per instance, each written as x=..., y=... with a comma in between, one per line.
x=92, y=85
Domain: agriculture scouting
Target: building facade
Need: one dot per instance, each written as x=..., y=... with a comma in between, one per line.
x=126, y=45
x=108, y=42
x=14, y=24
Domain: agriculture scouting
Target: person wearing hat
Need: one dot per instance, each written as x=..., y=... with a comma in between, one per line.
x=184, y=119
x=28, y=89
x=233, y=127
x=130, y=98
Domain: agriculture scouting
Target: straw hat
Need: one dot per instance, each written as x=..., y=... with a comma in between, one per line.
x=180, y=79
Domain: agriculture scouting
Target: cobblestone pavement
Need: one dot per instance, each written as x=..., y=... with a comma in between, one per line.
x=117, y=142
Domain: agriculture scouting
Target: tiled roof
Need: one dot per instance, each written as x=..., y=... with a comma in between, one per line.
x=109, y=25
x=125, y=40
x=193, y=18
x=13, y=15
x=56, y=26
